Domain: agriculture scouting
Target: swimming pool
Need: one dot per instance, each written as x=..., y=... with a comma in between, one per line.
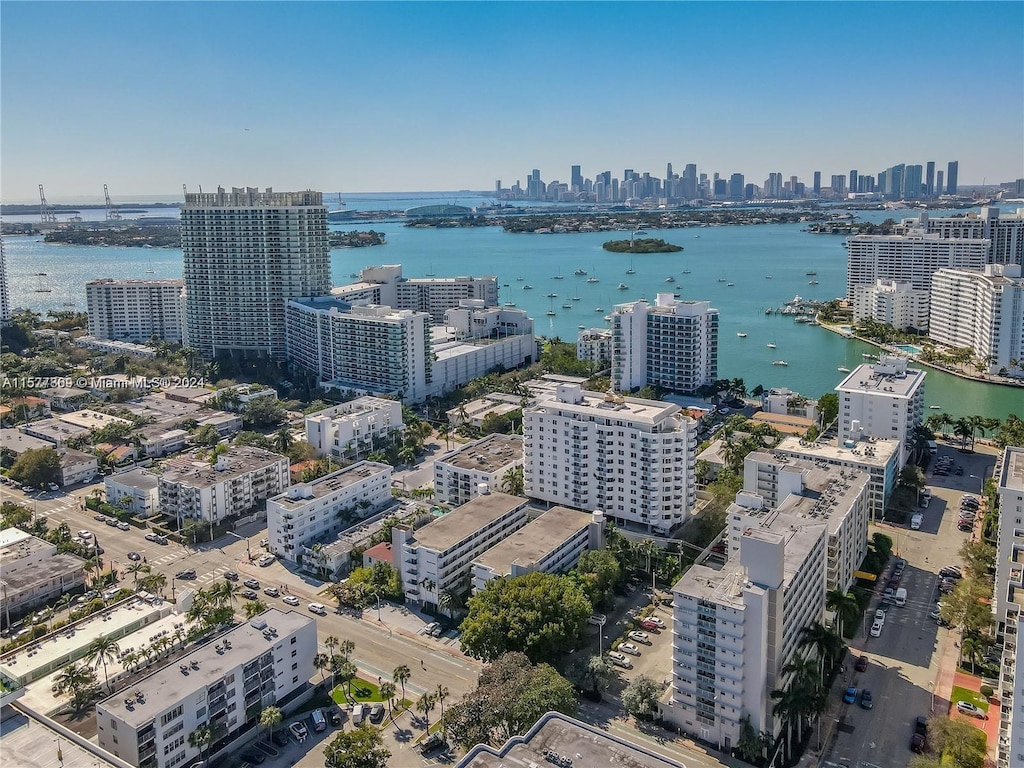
x=910, y=349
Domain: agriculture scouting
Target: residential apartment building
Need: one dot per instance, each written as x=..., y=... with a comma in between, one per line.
x=983, y=311
x=355, y=427
x=246, y=253
x=878, y=458
x=786, y=402
x=135, y=310
x=883, y=399
x=672, y=344
x=799, y=489
x=1009, y=599
x=1003, y=230
x=438, y=557
x=552, y=543
x=457, y=361
x=306, y=514
x=32, y=573
x=367, y=349
x=140, y=488
x=594, y=345
x=226, y=683
x=385, y=285
x=893, y=302
x=632, y=458
x=239, y=483
x=459, y=475
x=736, y=629
x=913, y=257
x=77, y=467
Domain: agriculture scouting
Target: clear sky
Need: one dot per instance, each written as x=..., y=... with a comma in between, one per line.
x=378, y=96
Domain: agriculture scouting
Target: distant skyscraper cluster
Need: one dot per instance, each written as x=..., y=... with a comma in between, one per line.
x=898, y=182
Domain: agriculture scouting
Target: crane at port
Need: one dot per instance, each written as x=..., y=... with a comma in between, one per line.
x=112, y=213
x=46, y=214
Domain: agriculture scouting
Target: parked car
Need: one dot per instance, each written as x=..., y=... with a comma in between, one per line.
x=318, y=608
x=862, y=664
x=280, y=738
x=851, y=695
x=251, y=583
x=102, y=519
x=265, y=561
x=248, y=594
x=429, y=628
x=619, y=660
x=656, y=621
x=433, y=743
x=967, y=708
x=917, y=744
x=335, y=716
x=290, y=600
x=640, y=637
x=85, y=534
x=231, y=576
x=123, y=526
x=629, y=648
x=253, y=757
x=272, y=592
x=950, y=572
x=149, y=536
x=53, y=486
x=876, y=629
x=376, y=713
x=28, y=489
x=299, y=731
x=921, y=726
x=866, y=702
x=264, y=541
x=965, y=527
x=880, y=615
x=649, y=625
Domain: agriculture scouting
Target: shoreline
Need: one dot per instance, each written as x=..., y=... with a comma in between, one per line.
x=952, y=372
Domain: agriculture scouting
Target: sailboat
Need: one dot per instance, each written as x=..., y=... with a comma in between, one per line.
x=771, y=344
x=631, y=271
x=551, y=312
x=593, y=279
x=559, y=276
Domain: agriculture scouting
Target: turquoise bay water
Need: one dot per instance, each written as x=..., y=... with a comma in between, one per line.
x=742, y=255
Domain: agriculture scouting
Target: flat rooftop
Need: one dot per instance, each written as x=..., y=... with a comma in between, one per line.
x=244, y=643
x=534, y=540
x=586, y=746
x=29, y=742
x=160, y=409
x=300, y=494
x=358, y=407
x=19, y=442
x=890, y=380
x=16, y=544
x=457, y=525
x=135, y=478
x=596, y=405
x=1012, y=475
x=487, y=455
x=197, y=473
x=91, y=419
x=870, y=451
x=43, y=571
x=55, y=430
x=722, y=587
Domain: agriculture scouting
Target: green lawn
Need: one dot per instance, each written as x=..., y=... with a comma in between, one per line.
x=364, y=692
x=963, y=694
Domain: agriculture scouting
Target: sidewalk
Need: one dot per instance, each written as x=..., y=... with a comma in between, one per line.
x=990, y=726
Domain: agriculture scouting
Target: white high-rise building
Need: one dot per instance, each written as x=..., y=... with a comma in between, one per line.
x=913, y=257
x=385, y=285
x=735, y=630
x=594, y=345
x=883, y=400
x=632, y=458
x=1009, y=597
x=371, y=348
x=983, y=311
x=1003, y=230
x=459, y=475
x=246, y=253
x=5, y=298
x=672, y=344
x=225, y=683
x=893, y=302
x=135, y=310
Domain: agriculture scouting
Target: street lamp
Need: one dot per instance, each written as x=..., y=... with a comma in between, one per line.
x=931, y=687
x=600, y=636
x=248, y=555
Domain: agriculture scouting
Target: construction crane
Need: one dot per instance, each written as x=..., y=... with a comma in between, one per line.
x=112, y=213
x=46, y=214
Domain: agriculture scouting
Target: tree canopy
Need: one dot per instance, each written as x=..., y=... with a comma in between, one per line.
x=511, y=696
x=640, y=698
x=540, y=614
x=358, y=748
x=263, y=412
x=598, y=572
x=36, y=466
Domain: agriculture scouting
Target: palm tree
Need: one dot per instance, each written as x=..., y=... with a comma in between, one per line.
x=100, y=651
x=826, y=644
x=512, y=482
x=73, y=679
x=401, y=675
x=270, y=718
x=322, y=661
x=154, y=582
x=425, y=705
x=844, y=604
x=331, y=642
x=450, y=602
x=388, y=691
x=964, y=429
x=136, y=568
x=254, y=608
x=201, y=738
x=970, y=649
x=441, y=693
x=283, y=440
x=445, y=433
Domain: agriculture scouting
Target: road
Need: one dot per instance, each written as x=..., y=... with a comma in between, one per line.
x=905, y=660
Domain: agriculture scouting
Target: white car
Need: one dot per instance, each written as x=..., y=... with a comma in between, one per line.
x=266, y=560
x=84, y=535
x=880, y=615
x=290, y=599
x=629, y=648
x=298, y=730
x=876, y=629
x=619, y=660
x=656, y=620
x=640, y=637
x=967, y=708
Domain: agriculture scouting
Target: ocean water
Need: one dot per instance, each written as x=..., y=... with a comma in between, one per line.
x=742, y=255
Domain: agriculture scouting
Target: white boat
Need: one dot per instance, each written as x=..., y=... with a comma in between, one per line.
x=767, y=277
x=520, y=279
x=527, y=287
x=622, y=287
x=721, y=279
x=599, y=309
x=686, y=271
x=779, y=362
x=582, y=327
x=552, y=295
x=772, y=345
x=593, y=280
x=576, y=298
x=742, y=335
x=580, y=272
x=843, y=369
x=567, y=306
x=935, y=407
x=510, y=303
x=670, y=279
x=868, y=356
x=729, y=285
x=812, y=282
x=559, y=276
x=550, y=312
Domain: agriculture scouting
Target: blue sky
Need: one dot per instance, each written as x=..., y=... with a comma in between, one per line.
x=383, y=96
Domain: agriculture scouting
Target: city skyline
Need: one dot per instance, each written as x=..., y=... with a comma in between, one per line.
x=407, y=97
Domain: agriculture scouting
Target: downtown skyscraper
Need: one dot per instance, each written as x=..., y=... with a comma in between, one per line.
x=246, y=253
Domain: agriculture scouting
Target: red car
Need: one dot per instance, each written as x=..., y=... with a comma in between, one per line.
x=649, y=625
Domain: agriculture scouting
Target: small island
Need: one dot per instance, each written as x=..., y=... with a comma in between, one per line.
x=641, y=245
x=355, y=239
